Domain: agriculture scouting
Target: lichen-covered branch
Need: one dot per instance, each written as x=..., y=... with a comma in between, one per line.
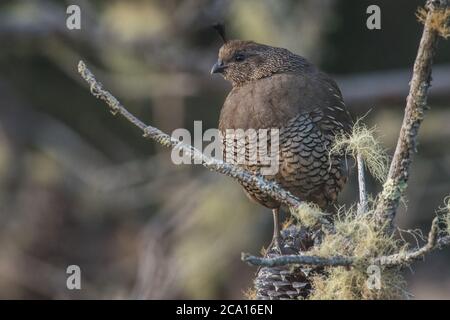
x=416, y=105
x=434, y=242
x=283, y=260
x=268, y=187
x=399, y=259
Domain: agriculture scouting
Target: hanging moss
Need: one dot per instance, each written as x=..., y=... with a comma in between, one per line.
x=440, y=20
x=362, y=141
x=361, y=237
x=308, y=214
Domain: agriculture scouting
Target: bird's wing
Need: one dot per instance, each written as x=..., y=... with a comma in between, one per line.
x=306, y=167
x=335, y=111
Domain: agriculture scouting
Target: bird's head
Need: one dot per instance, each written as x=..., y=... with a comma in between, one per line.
x=242, y=61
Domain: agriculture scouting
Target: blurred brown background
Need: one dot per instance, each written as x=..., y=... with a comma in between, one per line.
x=78, y=186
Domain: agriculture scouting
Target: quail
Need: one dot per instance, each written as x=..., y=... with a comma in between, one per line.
x=275, y=88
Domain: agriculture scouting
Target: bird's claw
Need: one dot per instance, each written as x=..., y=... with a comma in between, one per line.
x=276, y=246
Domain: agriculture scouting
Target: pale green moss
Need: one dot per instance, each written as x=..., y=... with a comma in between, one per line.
x=445, y=211
x=361, y=237
x=362, y=141
x=439, y=21
x=308, y=214
x=351, y=284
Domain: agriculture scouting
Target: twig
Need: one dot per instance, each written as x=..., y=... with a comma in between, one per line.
x=416, y=105
x=297, y=259
x=399, y=259
x=268, y=187
x=434, y=242
x=362, y=205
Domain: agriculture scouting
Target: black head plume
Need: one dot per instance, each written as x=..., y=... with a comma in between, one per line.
x=220, y=28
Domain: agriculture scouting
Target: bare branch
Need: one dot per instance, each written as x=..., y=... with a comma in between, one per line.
x=363, y=204
x=268, y=187
x=416, y=105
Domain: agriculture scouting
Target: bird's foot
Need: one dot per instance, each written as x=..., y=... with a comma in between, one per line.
x=276, y=246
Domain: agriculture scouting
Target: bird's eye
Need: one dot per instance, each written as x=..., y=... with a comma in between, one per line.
x=239, y=57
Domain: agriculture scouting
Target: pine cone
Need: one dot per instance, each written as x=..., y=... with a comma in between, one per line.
x=288, y=282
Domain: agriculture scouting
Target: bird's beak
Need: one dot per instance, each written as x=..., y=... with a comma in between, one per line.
x=218, y=67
